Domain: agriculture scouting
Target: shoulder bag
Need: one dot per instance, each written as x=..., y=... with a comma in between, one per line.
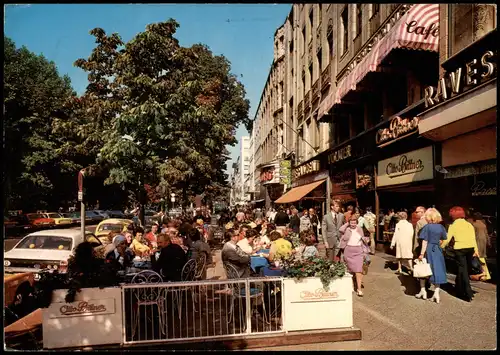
x=422, y=269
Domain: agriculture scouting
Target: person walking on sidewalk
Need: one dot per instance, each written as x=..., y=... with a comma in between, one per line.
x=431, y=235
x=305, y=221
x=314, y=222
x=420, y=213
x=465, y=248
x=295, y=221
x=370, y=221
x=353, y=243
x=330, y=230
x=403, y=240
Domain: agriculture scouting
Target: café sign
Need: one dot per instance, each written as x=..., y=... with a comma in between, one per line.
x=398, y=128
x=414, y=166
x=307, y=168
x=270, y=174
x=340, y=154
x=480, y=188
x=84, y=308
x=453, y=83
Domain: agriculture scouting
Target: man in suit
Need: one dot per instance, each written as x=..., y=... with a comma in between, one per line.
x=281, y=219
x=330, y=230
x=233, y=255
x=295, y=221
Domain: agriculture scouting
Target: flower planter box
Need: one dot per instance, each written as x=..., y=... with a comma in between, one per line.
x=307, y=305
x=95, y=318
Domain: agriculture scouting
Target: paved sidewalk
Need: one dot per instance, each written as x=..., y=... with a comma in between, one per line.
x=391, y=318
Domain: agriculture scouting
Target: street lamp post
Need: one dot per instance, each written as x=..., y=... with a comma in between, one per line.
x=81, y=174
x=172, y=198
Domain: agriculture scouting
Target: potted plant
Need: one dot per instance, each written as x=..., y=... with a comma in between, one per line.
x=324, y=269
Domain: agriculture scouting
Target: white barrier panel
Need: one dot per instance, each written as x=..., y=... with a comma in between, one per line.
x=95, y=318
x=307, y=305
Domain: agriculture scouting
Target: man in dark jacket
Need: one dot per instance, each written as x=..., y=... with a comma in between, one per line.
x=281, y=219
x=295, y=221
x=234, y=256
x=120, y=257
x=171, y=260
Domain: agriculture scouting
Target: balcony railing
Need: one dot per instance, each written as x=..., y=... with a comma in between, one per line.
x=315, y=91
x=326, y=78
x=307, y=101
x=300, y=111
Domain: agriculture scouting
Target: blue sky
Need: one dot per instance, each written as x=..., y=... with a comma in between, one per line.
x=241, y=32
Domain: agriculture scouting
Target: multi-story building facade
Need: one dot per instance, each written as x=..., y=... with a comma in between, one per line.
x=356, y=82
x=241, y=174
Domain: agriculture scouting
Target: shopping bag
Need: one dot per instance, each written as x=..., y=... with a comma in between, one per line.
x=422, y=269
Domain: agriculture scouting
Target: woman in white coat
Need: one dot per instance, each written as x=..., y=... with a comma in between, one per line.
x=403, y=240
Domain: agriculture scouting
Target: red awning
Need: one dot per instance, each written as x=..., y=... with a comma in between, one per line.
x=422, y=17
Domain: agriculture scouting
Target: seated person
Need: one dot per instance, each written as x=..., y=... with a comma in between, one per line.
x=138, y=246
x=175, y=238
x=151, y=236
x=234, y=256
x=120, y=257
x=280, y=247
x=199, y=246
x=306, y=249
x=170, y=260
x=246, y=244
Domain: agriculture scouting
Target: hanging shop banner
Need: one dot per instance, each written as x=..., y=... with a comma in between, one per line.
x=343, y=182
x=286, y=172
x=483, y=185
x=305, y=169
x=365, y=178
x=269, y=174
x=414, y=166
x=398, y=128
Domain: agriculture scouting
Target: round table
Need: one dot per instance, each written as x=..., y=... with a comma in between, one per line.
x=257, y=262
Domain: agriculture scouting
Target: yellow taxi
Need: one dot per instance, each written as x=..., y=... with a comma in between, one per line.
x=109, y=225
x=58, y=218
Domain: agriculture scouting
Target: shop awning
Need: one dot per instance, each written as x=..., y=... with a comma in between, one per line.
x=422, y=16
x=326, y=104
x=297, y=193
x=344, y=197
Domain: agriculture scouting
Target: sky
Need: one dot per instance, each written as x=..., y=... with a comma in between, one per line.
x=243, y=33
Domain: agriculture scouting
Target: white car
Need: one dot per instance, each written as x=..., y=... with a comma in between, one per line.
x=45, y=250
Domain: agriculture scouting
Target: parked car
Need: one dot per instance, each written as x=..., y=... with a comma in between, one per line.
x=18, y=296
x=116, y=214
x=71, y=215
x=94, y=216
x=111, y=225
x=58, y=218
x=45, y=250
x=77, y=215
x=39, y=220
x=102, y=213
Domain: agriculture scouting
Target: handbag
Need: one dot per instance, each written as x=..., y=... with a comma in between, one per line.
x=422, y=269
x=477, y=268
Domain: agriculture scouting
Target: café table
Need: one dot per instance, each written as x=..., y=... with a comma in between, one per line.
x=257, y=262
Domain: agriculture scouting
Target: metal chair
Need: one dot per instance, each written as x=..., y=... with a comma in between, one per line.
x=201, y=263
x=188, y=273
x=148, y=296
x=239, y=293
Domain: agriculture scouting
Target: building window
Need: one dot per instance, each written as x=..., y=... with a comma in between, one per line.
x=330, y=45
x=304, y=39
x=310, y=75
x=282, y=90
x=311, y=19
x=290, y=47
x=359, y=19
x=319, y=57
x=344, y=18
x=375, y=9
x=303, y=84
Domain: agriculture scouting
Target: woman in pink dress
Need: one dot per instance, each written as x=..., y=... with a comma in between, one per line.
x=353, y=242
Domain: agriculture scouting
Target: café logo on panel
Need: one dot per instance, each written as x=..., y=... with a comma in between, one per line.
x=480, y=189
x=340, y=154
x=82, y=307
x=472, y=74
x=305, y=169
x=319, y=294
x=404, y=166
x=399, y=127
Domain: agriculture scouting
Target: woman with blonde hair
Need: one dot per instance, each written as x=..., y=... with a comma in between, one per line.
x=431, y=235
x=403, y=240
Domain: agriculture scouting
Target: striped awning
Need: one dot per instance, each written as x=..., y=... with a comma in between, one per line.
x=326, y=104
x=418, y=20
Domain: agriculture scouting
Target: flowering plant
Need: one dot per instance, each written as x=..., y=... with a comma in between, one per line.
x=325, y=269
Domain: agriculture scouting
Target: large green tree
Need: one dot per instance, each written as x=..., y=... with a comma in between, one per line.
x=177, y=108
x=36, y=172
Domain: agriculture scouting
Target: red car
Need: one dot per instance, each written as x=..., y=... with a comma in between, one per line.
x=38, y=220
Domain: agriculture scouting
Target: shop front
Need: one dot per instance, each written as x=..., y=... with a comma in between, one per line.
x=404, y=182
x=309, y=187
x=461, y=116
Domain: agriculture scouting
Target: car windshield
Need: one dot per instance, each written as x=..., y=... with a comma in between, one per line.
x=54, y=215
x=34, y=216
x=90, y=213
x=110, y=227
x=48, y=242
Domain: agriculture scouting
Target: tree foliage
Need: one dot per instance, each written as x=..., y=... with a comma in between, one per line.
x=35, y=171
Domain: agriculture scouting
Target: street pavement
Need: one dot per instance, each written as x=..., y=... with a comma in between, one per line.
x=391, y=318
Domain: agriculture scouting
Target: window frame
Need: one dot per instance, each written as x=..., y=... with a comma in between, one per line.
x=345, y=29
x=359, y=21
